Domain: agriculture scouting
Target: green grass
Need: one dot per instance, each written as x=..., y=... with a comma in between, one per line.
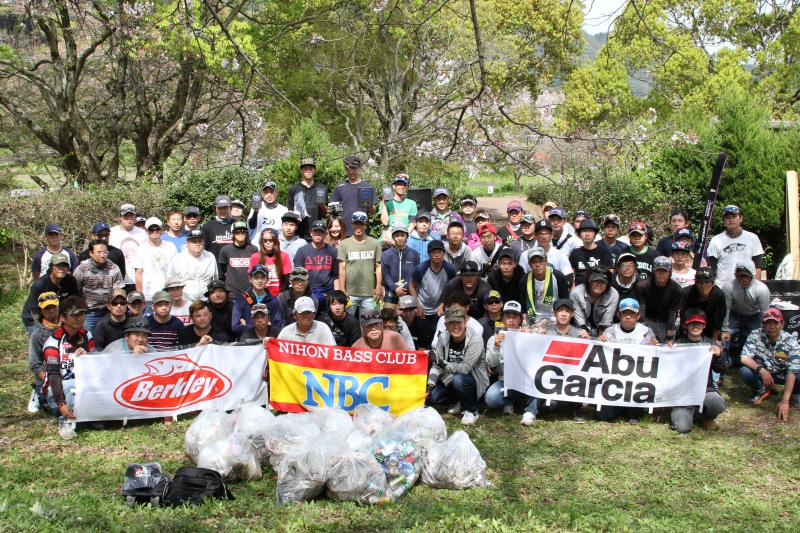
x=554, y=476
x=503, y=183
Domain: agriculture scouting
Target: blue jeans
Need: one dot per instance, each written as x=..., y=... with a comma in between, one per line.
x=92, y=318
x=740, y=327
x=754, y=381
x=462, y=389
x=69, y=395
x=496, y=400
x=365, y=303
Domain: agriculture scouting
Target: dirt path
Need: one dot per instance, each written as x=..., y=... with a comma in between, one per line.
x=496, y=205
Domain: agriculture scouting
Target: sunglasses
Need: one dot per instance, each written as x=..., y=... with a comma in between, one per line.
x=494, y=302
x=139, y=324
x=371, y=315
x=47, y=298
x=155, y=230
x=192, y=216
x=118, y=303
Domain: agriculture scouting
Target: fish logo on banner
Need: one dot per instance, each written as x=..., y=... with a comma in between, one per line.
x=170, y=383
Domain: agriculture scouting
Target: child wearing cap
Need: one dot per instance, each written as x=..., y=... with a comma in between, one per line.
x=163, y=326
x=732, y=245
x=419, y=238
x=692, y=327
x=399, y=209
x=53, y=236
x=682, y=273
x=298, y=287
x=442, y=215
x=127, y=237
x=629, y=330
x=397, y=266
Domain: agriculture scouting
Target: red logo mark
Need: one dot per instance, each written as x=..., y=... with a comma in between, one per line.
x=170, y=383
x=566, y=353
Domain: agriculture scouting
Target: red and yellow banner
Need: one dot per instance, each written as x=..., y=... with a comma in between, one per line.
x=303, y=376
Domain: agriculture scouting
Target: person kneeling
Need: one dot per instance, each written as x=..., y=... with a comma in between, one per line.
x=459, y=368
x=713, y=404
x=495, y=397
x=135, y=341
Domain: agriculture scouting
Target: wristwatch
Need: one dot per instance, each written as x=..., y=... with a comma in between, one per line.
x=759, y=368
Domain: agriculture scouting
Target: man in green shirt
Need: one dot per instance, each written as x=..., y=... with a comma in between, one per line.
x=359, y=266
x=399, y=208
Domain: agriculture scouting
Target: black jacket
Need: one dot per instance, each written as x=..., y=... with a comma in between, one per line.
x=509, y=290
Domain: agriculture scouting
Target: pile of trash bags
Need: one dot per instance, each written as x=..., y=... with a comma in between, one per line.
x=372, y=457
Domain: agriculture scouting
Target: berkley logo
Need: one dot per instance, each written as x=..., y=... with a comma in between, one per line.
x=170, y=383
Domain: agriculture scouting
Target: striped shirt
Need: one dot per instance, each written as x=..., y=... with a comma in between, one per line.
x=164, y=337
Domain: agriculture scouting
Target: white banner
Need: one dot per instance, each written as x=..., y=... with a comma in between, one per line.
x=126, y=386
x=598, y=373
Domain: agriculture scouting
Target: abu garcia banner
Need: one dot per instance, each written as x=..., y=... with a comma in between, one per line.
x=598, y=373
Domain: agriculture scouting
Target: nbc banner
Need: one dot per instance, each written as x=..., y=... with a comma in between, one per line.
x=304, y=376
x=598, y=373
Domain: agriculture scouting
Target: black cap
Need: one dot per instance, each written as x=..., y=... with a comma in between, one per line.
x=214, y=285
x=543, y=224
x=469, y=267
x=191, y=210
x=435, y=245
x=195, y=234
x=468, y=198
x=291, y=216
x=507, y=252
x=319, y=225
x=562, y=302
x=581, y=213
x=705, y=274
x=352, y=162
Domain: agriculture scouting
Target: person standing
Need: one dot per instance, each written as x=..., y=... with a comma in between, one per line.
x=195, y=266
x=590, y=254
x=455, y=251
x=101, y=232
x=397, y=266
x=96, y=278
x=678, y=220
x=563, y=240
x=682, y=272
x=442, y=215
x=624, y=279
x=645, y=255
x=511, y=231
x=733, y=245
x=267, y=213
x=609, y=241
x=217, y=232
x=127, y=237
x=319, y=260
x=276, y=261
x=746, y=299
x=420, y=235
x=151, y=260
x=58, y=280
x=469, y=204
x=257, y=294
x=234, y=260
x=400, y=208
x=428, y=282
x=288, y=239
x=175, y=233
x=191, y=218
x=53, y=236
x=344, y=326
x=707, y=297
x=541, y=287
x=354, y=194
x=308, y=198
x=359, y=266
x=555, y=258
x=487, y=255
x=527, y=236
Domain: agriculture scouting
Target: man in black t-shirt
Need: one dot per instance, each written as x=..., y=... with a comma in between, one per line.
x=308, y=198
x=469, y=281
x=345, y=327
x=645, y=255
x=590, y=254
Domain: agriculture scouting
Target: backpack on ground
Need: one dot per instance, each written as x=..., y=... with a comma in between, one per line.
x=194, y=485
x=144, y=483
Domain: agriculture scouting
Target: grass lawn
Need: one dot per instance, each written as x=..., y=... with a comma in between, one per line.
x=554, y=476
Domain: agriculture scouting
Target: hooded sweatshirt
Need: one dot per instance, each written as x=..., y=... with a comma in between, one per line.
x=458, y=258
x=753, y=300
x=396, y=269
x=420, y=245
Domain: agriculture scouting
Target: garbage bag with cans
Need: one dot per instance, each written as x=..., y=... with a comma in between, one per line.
x=254, y=421
x=454, y=464
x=425, y=425
x=209, y=426
x=235, y=457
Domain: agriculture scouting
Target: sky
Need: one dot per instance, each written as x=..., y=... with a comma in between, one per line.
x=600, y=14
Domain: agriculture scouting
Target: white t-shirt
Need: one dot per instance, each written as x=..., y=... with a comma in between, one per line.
x=684, y=280
x=128, y=242
x=569, y=244
x=728, y=252
x=196, y=273
x=182, y=312
x=267, y=217
x=641, y=334
x=153, y=260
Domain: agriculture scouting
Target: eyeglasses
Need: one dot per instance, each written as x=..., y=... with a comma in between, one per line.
x=192, y=216
x=105, y=252
x=118, y=303
x=154, y=230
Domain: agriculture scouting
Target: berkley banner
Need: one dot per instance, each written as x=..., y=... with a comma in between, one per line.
x=585, y=371
x=304, y=376
x=126, y=386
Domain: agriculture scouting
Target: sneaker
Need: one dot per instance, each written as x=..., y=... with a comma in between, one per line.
x=758, y=397
x=33, y=403
x=710, y=425
x=508, y=410
x=528, y=419
x=577, y=417
x=455, y=410
x=65, y=430
x=469, y=418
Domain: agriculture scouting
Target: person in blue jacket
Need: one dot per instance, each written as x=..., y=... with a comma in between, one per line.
x=397, y=265
x=257, y=294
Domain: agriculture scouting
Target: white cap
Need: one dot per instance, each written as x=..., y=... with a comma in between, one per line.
x=303, y=304
x=512, y=307
x=153, y=221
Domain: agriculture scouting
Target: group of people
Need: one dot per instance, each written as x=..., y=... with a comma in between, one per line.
x=445, y=281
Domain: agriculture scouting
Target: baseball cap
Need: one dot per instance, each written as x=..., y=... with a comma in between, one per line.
x=137, y=324
x=191, y=210
x=681, y=246
x=581, y=213
x=308, y=162
x=512, y=307
x=628, y=304
x=598, y=275
x=373, y=316
x=694, y=317
x=140, y=218
x=440, y=191
x=402, y=178
x=127, y=208
x=399, y=226
x=773, y=314
x=627, y=256
x=100, y=226
x=468, y=199
x=161, y=296
x=492, y=294
x=662, y=262
x=173, y=282
x=269, y=184
x=557, y=212
x=514, y=205
x=454, y=314
x=536, y=251
x=359, y=216
x=588, y=223
x=222, y=200
x=46, y=299
x=259, y=268
x=259, y=308
x=544, y=224
x=290, y=216
x=563, y=302
x=240, y=225
x=53, y=228
x=195, y=234
x=407, y=302
x=483, y=228
x=637, y=227
x=319, y=225
x=684, y=232
x=352, y=162
x=134, y=296
x=549, y=204
x=435, y=245
x=469, y=268
x=303, y=304
x=730, y=209
x=117, y=293
x=423, y=214
x=482, y=213
x=237, y=203
x=527, y=219
x=59, y=259
x=214, y=285
x=507, y=252
x=298, y=273
x=612, y=218
x=705, y=274
x=153, y=221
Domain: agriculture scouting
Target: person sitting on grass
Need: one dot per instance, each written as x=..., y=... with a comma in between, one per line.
x=201, y=331
x=47, y=324
x=136, y=340
x=343, y=325
x=163, y=326
x=262, y=330
x=770, y=355
x=694, y=322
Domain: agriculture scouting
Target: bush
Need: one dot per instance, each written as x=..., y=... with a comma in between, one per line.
x=200, y=187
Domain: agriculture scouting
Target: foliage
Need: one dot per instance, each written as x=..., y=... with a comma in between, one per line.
x=201, y=187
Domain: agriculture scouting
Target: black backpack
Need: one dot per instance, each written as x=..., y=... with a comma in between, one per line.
x=144, y=483
x=194, y=485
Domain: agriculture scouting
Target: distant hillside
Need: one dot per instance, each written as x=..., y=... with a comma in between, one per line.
x=592, y=46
